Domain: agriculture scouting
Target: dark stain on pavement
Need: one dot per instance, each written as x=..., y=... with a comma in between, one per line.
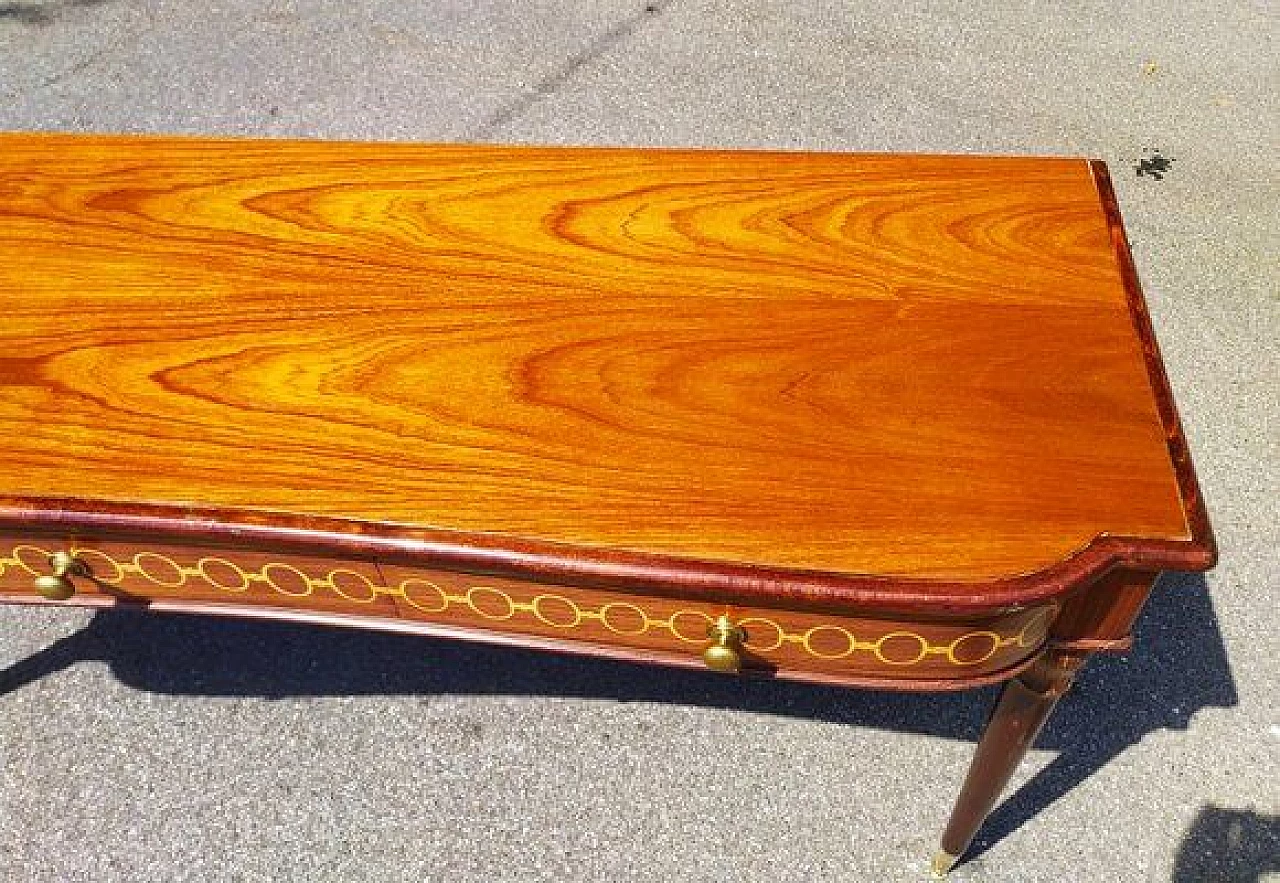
x=41, y=14
x=1153, y=164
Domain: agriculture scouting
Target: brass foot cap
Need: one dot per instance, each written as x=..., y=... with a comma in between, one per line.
x=943, y=862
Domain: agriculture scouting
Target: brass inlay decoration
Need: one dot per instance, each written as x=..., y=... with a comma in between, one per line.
x=758, y=634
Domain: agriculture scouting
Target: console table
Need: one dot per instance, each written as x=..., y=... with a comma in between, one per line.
x=871, y=420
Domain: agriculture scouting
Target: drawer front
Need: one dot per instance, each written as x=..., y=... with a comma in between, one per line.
x=791, y=643
x=133, y=572
x=773, y=639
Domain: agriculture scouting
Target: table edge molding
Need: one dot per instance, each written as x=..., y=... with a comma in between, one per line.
x=540, y=561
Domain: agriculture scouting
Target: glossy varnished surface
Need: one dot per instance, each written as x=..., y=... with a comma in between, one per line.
x=923, y=367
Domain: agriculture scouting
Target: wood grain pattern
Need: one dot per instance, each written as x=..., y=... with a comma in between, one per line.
x=1101, y=616
x=810, y=366
x=799, y=645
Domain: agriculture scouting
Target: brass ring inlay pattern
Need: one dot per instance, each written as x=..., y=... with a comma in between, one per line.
x=763, y=635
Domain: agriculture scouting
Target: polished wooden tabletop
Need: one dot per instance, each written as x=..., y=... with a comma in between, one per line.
x=931, y=367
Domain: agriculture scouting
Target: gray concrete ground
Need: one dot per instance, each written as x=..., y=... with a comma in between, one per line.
x=138, y=749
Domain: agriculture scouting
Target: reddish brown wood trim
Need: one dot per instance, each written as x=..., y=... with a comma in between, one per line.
x=524, y=641
x=600, y=568
x=1201, y=552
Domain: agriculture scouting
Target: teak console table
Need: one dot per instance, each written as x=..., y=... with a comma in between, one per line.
x=880, y=421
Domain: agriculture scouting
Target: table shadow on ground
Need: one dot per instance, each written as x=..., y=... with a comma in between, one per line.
x=1178, y=667
x=1229, y=846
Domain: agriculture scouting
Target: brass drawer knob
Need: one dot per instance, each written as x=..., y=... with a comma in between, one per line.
x=57, y=586
x=726, y=642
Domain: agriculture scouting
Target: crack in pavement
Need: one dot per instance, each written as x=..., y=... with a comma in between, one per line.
x=553, y=81
x=131, y=36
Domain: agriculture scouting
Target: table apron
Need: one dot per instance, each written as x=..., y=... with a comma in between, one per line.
x=830, y=647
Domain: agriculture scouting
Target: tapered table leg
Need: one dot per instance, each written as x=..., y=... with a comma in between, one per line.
x=1024, y=705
